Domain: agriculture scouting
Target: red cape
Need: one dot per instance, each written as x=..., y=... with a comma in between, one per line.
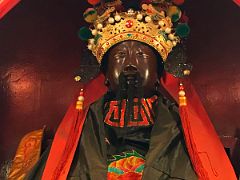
x=206, y=152
x=6, y=6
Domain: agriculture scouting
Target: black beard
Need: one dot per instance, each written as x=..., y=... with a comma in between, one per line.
x=130, y=87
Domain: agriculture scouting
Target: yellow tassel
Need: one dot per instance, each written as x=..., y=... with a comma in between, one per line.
x=182, y=96
x=79, y=103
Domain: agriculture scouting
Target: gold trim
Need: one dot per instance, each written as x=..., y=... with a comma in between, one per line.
x=157, y=43
x=28, y=153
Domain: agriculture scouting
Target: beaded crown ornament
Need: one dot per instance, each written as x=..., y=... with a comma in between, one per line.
x=159, y=23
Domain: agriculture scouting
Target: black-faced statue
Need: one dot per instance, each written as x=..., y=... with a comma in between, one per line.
x=134, y=120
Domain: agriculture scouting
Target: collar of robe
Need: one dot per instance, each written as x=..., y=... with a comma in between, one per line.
x=140, y=113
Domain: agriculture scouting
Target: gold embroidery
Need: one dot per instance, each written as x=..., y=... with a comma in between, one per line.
x=27, y=154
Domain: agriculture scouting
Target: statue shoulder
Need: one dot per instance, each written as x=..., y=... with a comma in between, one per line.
x=28, y=153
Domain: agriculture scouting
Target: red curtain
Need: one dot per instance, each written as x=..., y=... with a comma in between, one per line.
x=237, y=2
x=6, y=5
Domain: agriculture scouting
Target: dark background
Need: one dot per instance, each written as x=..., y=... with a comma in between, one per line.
x=40, y=51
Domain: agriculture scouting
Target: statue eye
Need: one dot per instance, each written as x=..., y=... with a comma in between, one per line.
x=120, y=54
x=139, y=53
x=142, y=54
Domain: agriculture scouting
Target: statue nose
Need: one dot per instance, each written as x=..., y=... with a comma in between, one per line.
x=130, y=69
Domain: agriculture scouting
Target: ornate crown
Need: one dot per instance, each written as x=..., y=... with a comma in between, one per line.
x=156, y=24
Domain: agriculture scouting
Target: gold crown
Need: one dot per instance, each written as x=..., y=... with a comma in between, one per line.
x=149, y=26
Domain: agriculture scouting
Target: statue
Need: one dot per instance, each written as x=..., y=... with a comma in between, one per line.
x=134, y=120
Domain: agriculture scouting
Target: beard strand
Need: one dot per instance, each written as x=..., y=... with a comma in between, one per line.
x=129, y=89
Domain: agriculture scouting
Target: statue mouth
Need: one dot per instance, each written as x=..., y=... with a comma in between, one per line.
x=131, y=79
x=130, y=76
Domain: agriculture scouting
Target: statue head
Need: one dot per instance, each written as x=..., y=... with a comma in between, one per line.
x=132, y=65
x=132, y=44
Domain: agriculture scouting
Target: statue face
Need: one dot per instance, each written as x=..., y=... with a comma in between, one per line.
x=131, y=59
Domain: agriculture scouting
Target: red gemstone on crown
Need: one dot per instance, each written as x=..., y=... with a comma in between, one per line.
x=129, y=23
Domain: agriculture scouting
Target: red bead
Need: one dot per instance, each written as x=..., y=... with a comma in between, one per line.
x=181, y=87
x=93, y=2
x=129, y=23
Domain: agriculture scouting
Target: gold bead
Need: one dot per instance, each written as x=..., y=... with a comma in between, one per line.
x=111, y=20
x=148, y=19
x=186, y=72
x=181, y=93
x=77, y=78
x=161, y=23
x=139, y=17
x=117, y=17
x=80, y=98
x=94, y=32
x=168, y=30
x=90, y=46
x=171, y=36
x=99, y=26
x=174, y=43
